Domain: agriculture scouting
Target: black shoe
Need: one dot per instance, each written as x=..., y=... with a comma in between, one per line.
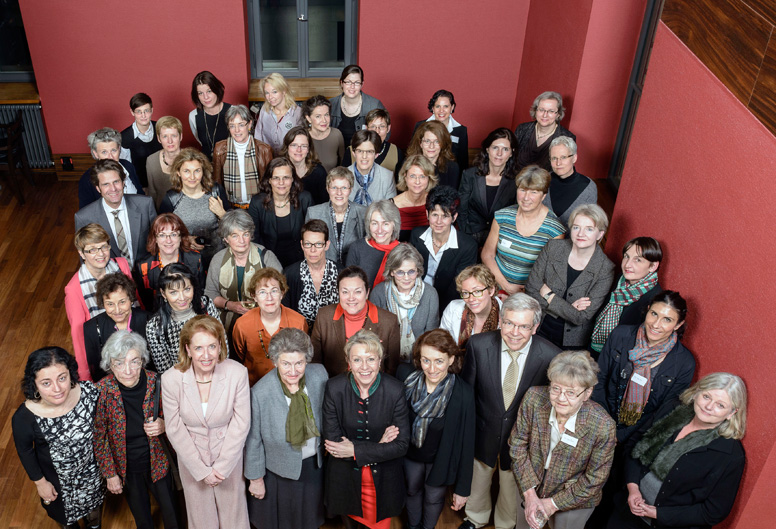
x=467, y=525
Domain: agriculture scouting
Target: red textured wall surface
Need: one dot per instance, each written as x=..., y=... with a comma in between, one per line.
x=700, y=178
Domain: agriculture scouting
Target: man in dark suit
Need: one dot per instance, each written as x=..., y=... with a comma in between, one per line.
x=127, y=218
x=501, y=366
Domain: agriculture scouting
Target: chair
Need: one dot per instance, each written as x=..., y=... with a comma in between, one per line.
x=13, y=155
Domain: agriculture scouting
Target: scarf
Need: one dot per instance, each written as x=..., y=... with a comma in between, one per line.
x=372, y=388
x=652, y=450
x=622, y=296
x=467, y=322
x=232, y=171
x=338, y=237
x=427, y=406
x=310, y=300
x=386, y=249
x=642, y=356
x=355, y=322
x=300, y=423
x=410, y=303
x=89, y=286
x=227, y=280
x=364, y=181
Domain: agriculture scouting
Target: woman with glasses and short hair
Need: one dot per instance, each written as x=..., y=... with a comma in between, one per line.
x=478, y=309
x=373, y=182
x=534, y=137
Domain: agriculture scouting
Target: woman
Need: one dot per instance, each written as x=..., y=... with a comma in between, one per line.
x=404, y=293
x=208, y=414
x=116, y=295
x=518, y=233
x=93, y=245
x=488, y=186
x=312, y=282
x=168, y=242
x=568, y=188
x=182, y=299
x=638, y=284
x=445, y=250
x=299, y=149
x=416, y=178
x=127, y=428
x=562, y=445
x=253, y=332
x=534, y=137
x=364, y=474
x=232, y=268
x=207, y=119
x=478, y=309
x=283, y=453
x=52, y=431
x=343, y=217
x=336, y=324
x=328, y=141
x=441, y=412
x=643, y=366
x=278, y=114
x=279, y=209
x=197, y=200
x=389, y=156
x=432, y=140
x=349, y=109
x=442, y=105
x=373, y=182
x=169, y=133
x=686, y=470
x=572, y=278
x=139, y=137
x=382, y=223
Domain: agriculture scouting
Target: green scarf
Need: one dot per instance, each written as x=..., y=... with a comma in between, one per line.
x=227, y=281
x=300, y=424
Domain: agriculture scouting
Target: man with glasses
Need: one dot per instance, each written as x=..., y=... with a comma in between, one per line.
x=140, y=137
x=501, y=366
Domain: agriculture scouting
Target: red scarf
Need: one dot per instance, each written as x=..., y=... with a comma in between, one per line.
x=354, y=323
x=386, y=249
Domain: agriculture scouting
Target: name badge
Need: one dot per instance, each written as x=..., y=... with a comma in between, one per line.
x=506, y=244
x=638, y=379
x=455, y=139
x=566, y=438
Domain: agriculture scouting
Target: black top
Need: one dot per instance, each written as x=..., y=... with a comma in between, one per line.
x=490, y=195
x=288, y=250
x=451, y=177
x=140, y=150
x=315, y=184
x=348, y=128
x=138, y=450
x=552, y=326
x=97, y=331
x=564, y=191
x=527, y=150
x=268, y=227
x=211, y=129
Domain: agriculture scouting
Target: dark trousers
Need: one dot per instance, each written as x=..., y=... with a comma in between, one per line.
x=424, y=502
x=136, y=489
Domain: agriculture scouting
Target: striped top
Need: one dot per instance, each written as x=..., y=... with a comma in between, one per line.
x=515, y=254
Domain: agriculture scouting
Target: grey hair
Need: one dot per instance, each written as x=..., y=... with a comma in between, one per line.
x=119, y=345
x=236, y=219
x=367, y=338
x=521, y=301
x=592, y=211
x=103, y=135
x=403, y=252
x=389, y=211
x=735, y=427
x=567, y=142
x=574, y=367
x=238, y=110
x=549, y=95
x=290, y=340
x=340, y=173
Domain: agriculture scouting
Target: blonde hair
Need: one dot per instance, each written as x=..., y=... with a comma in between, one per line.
x=735, y=426
x=366, y=338
x=279, y=83
x=90, y=234
x=425, y=165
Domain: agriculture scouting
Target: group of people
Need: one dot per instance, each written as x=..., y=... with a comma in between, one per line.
x=278, y=333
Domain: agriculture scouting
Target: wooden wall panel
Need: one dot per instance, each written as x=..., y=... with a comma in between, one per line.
x=763, y=103
x=766, y=8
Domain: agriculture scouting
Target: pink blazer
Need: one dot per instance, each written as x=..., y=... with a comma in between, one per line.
x=78, y=314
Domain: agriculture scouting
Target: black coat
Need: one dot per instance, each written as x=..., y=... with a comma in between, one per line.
x=635, y=313
x=99, y=329
x=266, y=223
x=474, y=216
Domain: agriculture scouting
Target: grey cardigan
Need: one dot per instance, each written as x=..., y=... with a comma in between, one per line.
x=353, y=229
x=589, y=195
x=594, y=282
x=266, y=447
x=367, y=103
x=382, y=186
x=426, y=316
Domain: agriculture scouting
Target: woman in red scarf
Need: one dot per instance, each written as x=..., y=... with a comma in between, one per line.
x=382, y=223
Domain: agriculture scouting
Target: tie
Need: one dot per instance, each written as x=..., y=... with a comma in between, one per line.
x=120, y=237
x=509, y=388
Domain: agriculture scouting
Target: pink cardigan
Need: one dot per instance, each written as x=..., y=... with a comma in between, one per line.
x=78, y=314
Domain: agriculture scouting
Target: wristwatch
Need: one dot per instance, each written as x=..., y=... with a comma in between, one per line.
x=547, y=296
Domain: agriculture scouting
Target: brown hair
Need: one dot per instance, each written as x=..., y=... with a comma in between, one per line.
x=200, y=323
x=190, y=154
x=445, y=143
x=263, y=275
x=175, y=223
x=442, y=341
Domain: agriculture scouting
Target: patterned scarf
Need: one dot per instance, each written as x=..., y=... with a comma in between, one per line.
x=397, y=301
x=621, y=297
x=642, y=356
x=227, y=280
x=386, y=249
x=467, y=322
x=310, y=300
x=300, y=422
x=232, y=171
x=427, y=406
x=338, y=238
x=89, y=286
x=364, y=181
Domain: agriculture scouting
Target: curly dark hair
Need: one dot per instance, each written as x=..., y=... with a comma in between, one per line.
x=266, y=188
x=41, y=359
x=176, y=274
x=482, y=161
x=445, y=197
x=114, y=282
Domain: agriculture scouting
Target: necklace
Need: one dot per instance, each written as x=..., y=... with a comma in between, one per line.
x=212, y=140
x=540, y=136
x=352, y=111
x=261, y=337
x=284, y=204
x=204, y=381
x=164, y=155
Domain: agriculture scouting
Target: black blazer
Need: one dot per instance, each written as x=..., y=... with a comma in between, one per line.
x=474, y=216
x=266, y=223
x=673, y=376
x=452, y=263
x=99, y=329
x=451, y=177
x=482, y=371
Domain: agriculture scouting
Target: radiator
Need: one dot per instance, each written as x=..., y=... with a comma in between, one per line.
x=34, y=135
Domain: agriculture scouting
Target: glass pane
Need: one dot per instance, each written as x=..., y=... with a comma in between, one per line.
x=14, y=54
x=326, y=33
x=279, y=43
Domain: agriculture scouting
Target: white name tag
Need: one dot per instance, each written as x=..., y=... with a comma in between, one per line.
x=506, y=244
x=566, y=438
x=455, y=139
x=638, y=379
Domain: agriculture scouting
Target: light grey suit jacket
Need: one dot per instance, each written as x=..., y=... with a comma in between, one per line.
x=426, y=316
x=266, y=447
x=141, y=213
x=382, y=186
x=354, y=228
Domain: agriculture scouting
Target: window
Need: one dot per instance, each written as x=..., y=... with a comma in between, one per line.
x=15, y=62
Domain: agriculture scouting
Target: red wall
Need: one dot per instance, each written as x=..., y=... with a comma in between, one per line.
x=91, y=57
x=699, y=178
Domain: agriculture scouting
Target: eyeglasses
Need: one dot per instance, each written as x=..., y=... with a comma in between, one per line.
x=340, y=189
x=417, y=177
x=105, y=248
x=134, y=365
x=476, y=293
x=308, y=245
x=142, y=112
x=428, y=142
x=569, y=393
x=357, y=84
x=237, y=126
x=172, y=235
x=299, y=146
x=548, y=111
x=280, y=179
x=508, y=326
x=408, y=273
x=362, y=152
x=556, y=159
x=262, y=294
x=378, y=127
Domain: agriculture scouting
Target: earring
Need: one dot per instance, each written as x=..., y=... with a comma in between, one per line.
x=72, y=384
x=36, y=396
